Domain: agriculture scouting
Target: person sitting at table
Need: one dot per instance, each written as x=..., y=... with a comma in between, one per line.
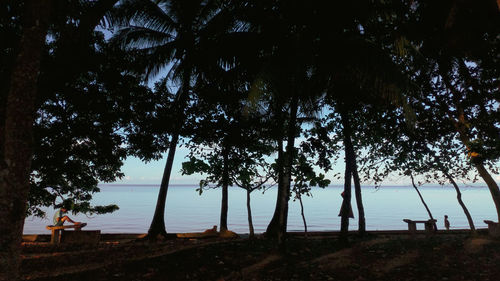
x=60, y=216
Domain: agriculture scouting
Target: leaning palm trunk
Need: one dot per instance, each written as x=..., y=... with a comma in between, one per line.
x=16, y=136
x=157, y=226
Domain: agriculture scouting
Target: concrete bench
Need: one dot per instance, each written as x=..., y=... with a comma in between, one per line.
x=493, y=229
x=430, y=225
x=55, y=238
x=86, y=237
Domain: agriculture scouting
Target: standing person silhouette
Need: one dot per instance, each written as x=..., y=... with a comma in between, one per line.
x=446, y=222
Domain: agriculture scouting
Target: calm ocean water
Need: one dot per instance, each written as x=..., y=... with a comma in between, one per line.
x=189, y=212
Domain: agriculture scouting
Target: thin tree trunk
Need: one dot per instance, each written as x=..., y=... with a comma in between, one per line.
x=225, y=183
x=157, y=226
x=287, y=171
x=303, y=216
x=351, y=160
x=422, y=199
x=249, y=212
x=15, y=164
x=459, y=198
x=359, y=202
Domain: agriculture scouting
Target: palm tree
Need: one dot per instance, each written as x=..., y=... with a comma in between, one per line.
x=169, y=33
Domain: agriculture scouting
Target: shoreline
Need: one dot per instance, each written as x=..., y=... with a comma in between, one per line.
x=133, y=236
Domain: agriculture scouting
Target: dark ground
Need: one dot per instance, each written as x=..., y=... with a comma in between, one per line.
x=374, y=257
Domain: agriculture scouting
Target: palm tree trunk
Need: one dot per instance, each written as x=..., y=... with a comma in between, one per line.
x=249, y=212
x=16, y=151
x=287, y=171
x=273, y=226
x=225, y=183
x=351, y=160
x=422, y=199
x=157, y=226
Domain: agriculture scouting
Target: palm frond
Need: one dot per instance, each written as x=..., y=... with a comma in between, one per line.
x=145, y=13
x=139, y=37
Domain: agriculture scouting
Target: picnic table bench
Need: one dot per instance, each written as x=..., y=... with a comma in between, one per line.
x=56, y=231
x=430, y=225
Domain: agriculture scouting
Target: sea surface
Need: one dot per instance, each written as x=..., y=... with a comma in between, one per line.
x=187, y=211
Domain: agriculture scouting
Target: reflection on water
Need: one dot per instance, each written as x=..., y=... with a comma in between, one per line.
x=189, y=212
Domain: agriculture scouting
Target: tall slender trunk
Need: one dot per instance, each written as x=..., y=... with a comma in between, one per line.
x=459, y=198
x=225, y=184
x=287, y=171
x=17, y=134
x=351, y=160
x=249, y=212
x=273, y=226
x=422, y=199
x=302, y=214
x=157, y=226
